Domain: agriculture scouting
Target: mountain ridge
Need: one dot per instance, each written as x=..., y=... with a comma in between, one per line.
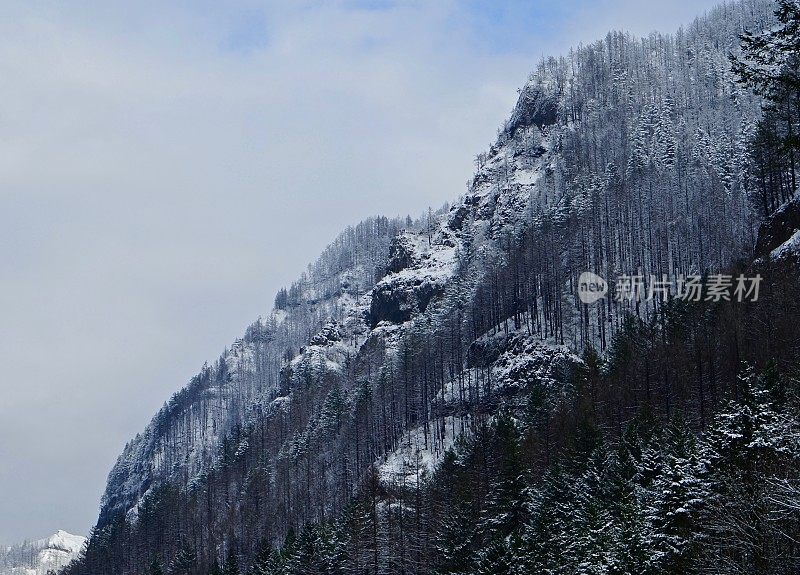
x=507, y=186
x=407, y=340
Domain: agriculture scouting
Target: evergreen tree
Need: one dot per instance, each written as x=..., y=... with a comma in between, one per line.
x=155, y=567
x=184, y=562
x=231, y=566
x=679, y=494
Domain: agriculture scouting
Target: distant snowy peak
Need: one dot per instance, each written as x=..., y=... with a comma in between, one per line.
x=41, y=556
x=66, y=542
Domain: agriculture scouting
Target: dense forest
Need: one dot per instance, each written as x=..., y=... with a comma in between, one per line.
x=434, y=397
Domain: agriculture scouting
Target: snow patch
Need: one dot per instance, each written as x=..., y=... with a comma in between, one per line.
x=790, y=247
x=420, y=450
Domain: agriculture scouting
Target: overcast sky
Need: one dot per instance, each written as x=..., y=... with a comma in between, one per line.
x=166, y=166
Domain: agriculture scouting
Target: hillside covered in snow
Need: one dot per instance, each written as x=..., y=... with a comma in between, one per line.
x=433, y=396
x=42, y=556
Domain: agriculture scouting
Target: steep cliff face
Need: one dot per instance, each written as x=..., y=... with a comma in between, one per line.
x=419, y=270
x=627, y=158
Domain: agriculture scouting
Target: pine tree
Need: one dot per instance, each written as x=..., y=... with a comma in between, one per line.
x=455, y=516
x=679, y=494
x=155, y=567
x=184, y=562
x=630, y=534
x=742, y=458
x=231, y=566
x=504, y=506
x=266, y=561
x=769, y=64
x=547, y=532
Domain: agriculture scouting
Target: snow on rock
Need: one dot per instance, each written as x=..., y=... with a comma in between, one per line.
x=779, y=226
x=527, y=360
x=507, y=184
x=516, y=361
x=789, y=248
x=418, y=272
x=328, y=335
x=39, y=557
x=315, y=362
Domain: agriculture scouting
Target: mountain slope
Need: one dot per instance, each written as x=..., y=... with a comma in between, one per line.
x=186, y=434
x=406, y=339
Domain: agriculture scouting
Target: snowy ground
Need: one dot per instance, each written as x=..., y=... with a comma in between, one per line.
x=418, y=454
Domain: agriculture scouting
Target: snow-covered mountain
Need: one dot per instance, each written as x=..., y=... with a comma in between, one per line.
x=407, y=338
x=41, y=556
x=252, y=378
x=593, y=170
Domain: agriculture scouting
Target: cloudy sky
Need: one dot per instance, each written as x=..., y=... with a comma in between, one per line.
x=166, y=166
